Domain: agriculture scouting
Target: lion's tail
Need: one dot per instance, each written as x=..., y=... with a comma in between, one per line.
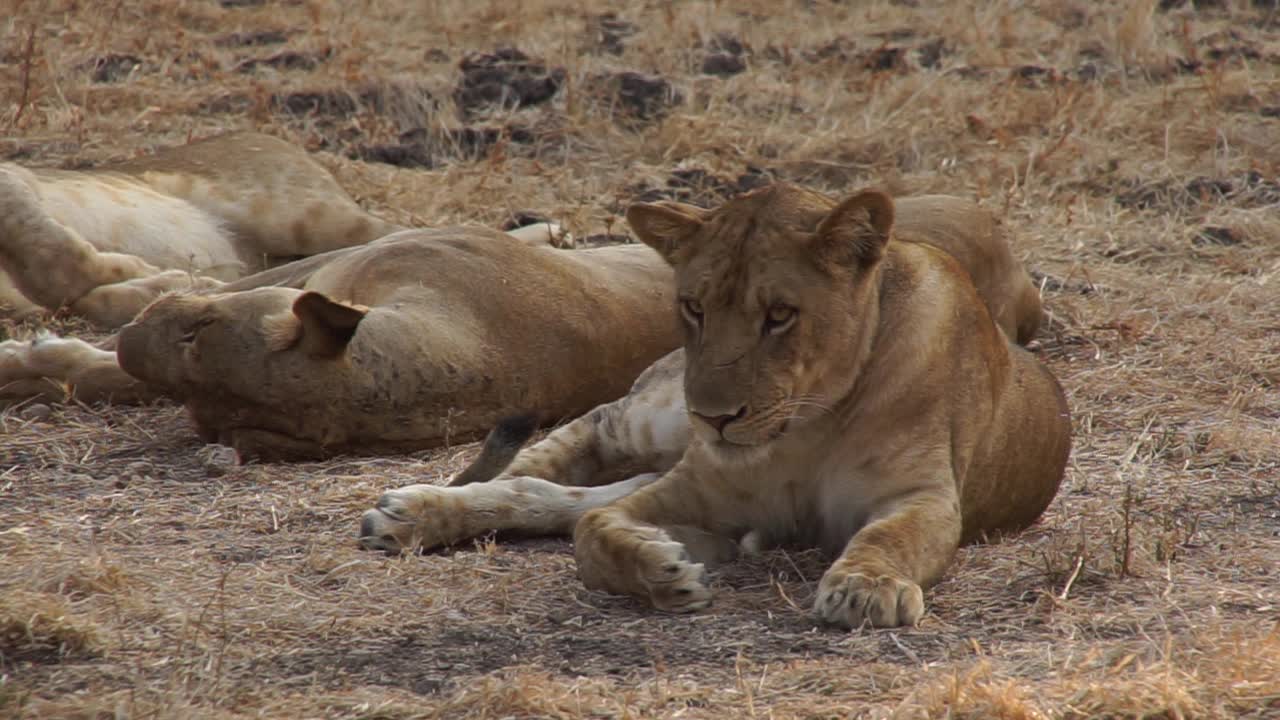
x=500, y=447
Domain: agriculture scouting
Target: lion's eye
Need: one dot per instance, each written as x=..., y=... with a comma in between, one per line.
x=193, y=331
x=692, y=310
x=779, y=318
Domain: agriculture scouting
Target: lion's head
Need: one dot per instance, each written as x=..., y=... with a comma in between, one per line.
x=776, y=292
x=274, y=360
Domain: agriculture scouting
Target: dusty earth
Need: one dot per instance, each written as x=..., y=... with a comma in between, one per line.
x=1134, y=149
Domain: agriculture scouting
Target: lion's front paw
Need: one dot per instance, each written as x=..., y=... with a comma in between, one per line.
x=665, y=572
x=849, y=599
x=674, y=581
x=409, y=518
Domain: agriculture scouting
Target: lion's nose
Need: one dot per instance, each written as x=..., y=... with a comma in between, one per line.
x=719, y=422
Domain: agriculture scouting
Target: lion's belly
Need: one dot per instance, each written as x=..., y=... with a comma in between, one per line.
x=121, y=216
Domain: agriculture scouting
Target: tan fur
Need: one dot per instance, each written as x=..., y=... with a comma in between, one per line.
x=842, y=390
x=98, y=242
x=417, y=339
x=104, y=242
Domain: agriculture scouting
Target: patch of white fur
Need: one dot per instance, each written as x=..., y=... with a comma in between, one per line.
x=667, y=423
x=12, y=302
x=48, y=356
x=120, y=215
x=544, y=234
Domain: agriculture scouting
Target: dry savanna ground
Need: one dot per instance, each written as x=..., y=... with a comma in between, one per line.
x=1134, y=149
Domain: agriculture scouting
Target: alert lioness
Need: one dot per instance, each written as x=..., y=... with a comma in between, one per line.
x=104, y=242
x=840, y=390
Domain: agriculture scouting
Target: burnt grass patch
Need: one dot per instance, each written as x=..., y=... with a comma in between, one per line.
x=112, y=68
x=285, y=60
x=506, y=78
x=253, y=38
x=726, y=55
x=700, y=187
x=611, y=32
x=1246, y=190
x=422, y=148
x=634, y=98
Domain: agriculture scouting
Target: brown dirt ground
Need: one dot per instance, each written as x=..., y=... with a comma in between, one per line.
x=1134, y=148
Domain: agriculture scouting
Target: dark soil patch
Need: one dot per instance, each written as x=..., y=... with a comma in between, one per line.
x=330, y=110
x=423, y=148
x=589, y=642
x=506, y=78
x=723, y=65
x=700, y=187
x=226, y=104
x=634, y=97
x=930, y=54
x=254, y=38
x=1035, y=76
x=1248, y=190
x=331, y=103
x=286, y=60
x=726, y=56
x=401, y=154
x=892, y=54
x=612, y=32
x=1051, y=283
x=1211, y=235
x=113, y=68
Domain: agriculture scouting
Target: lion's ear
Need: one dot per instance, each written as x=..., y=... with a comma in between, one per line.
x=665, y=226
x=327, y=326
x=857, y=230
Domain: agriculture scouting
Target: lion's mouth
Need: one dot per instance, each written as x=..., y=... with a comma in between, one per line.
x=755, y=436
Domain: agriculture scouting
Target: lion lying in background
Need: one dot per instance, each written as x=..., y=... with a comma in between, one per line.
x=411, y=341
x=104, y=242
x=844, y=384
x=398, y=344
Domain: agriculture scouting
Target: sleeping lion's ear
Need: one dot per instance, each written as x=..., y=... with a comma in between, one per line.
x=857, y=230
x=327, y=326
x=665, y=226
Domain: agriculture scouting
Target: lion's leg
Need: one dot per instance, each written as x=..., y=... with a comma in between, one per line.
x=49, y=262
x=13, y=304
x=605, y=455
x=645, y=431
x=272, y=195
x=543, y=234
x=114, y=305
x=428, y=516
x=655, y=544
x=880, y=575
x=59, y=369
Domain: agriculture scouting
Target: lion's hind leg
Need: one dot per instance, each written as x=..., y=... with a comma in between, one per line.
x=57, y=369
x=544, y=491
x=429, y=516
x=116, y=304
x=645, y=431
x=49, y=262
x=600, y=458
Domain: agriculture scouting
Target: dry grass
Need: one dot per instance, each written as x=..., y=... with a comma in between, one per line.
x=1131, y=146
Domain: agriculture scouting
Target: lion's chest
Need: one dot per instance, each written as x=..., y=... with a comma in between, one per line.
x=812, y=505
